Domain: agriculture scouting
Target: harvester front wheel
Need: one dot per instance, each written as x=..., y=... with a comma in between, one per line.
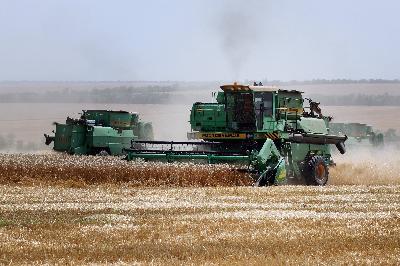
x=316, y=172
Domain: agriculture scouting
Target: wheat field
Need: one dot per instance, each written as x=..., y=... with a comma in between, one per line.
x=215, y=225
x=57, y=209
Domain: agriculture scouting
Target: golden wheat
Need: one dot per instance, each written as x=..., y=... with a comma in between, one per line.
x=81, y=170
x=237, y=225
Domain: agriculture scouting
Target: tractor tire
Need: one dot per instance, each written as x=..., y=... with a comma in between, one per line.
x=316, y=171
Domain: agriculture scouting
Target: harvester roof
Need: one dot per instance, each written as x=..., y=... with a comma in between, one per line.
x=109, y=111
x=240, y=88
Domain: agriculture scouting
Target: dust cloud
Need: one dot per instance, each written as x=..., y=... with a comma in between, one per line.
x=367, y=166
x=9, y=143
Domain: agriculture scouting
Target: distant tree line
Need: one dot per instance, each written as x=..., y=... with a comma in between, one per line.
x=124, y=95
x=169, y=94
x=358, y=99
x=331, y=81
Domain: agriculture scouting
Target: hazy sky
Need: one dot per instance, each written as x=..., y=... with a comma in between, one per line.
x=199, y=39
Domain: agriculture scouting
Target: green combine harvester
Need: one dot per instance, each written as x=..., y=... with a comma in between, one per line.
x=99, y=132
x=359, y=135
x=265, y=129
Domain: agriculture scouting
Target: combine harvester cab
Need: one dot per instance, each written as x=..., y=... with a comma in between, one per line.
x=99, y=132
x=265, y=128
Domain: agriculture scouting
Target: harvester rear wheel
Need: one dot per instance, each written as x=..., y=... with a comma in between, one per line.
x=316, y=172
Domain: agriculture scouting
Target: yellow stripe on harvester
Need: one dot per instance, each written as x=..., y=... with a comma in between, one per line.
x=233, y=135
x=272, y=136
x=221, y=135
